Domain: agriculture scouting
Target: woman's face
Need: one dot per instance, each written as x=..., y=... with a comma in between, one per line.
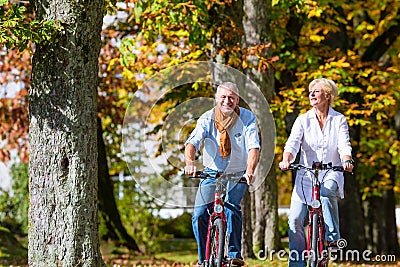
x=318, y=97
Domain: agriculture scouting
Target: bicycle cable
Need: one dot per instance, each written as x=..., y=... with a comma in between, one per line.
x=322, y=181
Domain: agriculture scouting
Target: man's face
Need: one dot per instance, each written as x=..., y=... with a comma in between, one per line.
x=226, y=99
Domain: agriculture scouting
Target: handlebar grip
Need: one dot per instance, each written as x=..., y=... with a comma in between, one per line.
x=338, y=168
x=200, y=175
x=294, y=167
x=243, y=180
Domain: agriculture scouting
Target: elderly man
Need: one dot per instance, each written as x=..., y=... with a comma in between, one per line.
x=231, y=146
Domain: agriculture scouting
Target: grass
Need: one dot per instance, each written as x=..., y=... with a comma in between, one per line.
x=183, y=252
x=11, y=250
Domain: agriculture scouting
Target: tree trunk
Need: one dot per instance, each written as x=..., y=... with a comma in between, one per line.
x=256, y=30
x=350, y=208
x=107, y=205
x=247, y=234
x=351, y=215
x=380, y=228
x=63, y=139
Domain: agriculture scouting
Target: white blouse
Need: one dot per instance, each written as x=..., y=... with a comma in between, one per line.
x=330, y=144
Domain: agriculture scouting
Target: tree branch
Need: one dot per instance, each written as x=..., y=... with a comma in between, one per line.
x=381, y=44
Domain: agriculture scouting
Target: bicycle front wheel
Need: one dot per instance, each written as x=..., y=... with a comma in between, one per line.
x=217, y=243
x=313, y=255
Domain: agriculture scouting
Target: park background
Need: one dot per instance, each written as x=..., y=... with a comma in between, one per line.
x=58, y=53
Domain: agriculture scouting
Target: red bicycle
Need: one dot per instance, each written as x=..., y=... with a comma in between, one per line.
x=317, y=252
x=216, y=251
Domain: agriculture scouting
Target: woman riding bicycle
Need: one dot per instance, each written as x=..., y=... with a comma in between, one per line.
x=323, y=136
x=231, y=145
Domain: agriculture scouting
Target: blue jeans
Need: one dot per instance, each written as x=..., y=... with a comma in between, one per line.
x=203, y=206
x=297, y=215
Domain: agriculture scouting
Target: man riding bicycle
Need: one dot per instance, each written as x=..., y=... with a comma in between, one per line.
x=231, y=145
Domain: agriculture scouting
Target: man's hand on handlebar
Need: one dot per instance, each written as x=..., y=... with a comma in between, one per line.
x=190, y=170
x=249, y=178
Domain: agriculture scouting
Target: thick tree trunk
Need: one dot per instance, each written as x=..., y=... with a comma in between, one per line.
x=107, y=205
x=63, y=138
x=265, y=225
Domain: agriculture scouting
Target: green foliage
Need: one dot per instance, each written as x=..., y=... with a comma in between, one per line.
x=179, y=227
x=163, y=17
x=311, y=39
x=137, y=211
x=15, y=206
x=111, y=6
x=283, y=226
x=12, y=253
x=17, y=31
x=369, y=94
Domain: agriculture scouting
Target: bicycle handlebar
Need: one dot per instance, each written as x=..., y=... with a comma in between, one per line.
x=318, y=166
x=222, y=176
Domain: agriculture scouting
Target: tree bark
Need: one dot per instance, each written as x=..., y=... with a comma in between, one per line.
x=107, y=205
x=63, y=138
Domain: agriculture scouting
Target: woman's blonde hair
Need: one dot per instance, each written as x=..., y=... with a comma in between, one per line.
x=328, y=86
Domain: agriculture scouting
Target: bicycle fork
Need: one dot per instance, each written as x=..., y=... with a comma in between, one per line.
x=316, y=249
x=218, y=212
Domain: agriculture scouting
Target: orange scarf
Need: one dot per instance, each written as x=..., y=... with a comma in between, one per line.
x=223, y=123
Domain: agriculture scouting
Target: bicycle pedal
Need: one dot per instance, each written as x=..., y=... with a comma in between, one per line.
x=236, y=262
x=333, y=249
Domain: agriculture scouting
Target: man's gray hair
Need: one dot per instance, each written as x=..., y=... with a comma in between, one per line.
x=229, y=86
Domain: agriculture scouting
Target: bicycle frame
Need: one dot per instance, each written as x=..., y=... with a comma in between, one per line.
x=316, y=214
x=215, y=246
x=217, y=212
x=316, y=246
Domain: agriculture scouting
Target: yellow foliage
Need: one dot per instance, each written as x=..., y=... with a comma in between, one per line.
x=316, y=12
x=316, y=38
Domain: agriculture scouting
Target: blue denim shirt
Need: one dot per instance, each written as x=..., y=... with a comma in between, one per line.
x=243, y=136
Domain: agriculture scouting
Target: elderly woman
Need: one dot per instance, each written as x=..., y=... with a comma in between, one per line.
x=323, y=136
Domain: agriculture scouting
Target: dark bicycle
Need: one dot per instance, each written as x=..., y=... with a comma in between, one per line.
x=216, y=252
x=317, y=252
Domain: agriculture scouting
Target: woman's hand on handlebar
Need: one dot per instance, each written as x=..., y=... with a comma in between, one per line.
x=284, y=165
x=348, y=167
